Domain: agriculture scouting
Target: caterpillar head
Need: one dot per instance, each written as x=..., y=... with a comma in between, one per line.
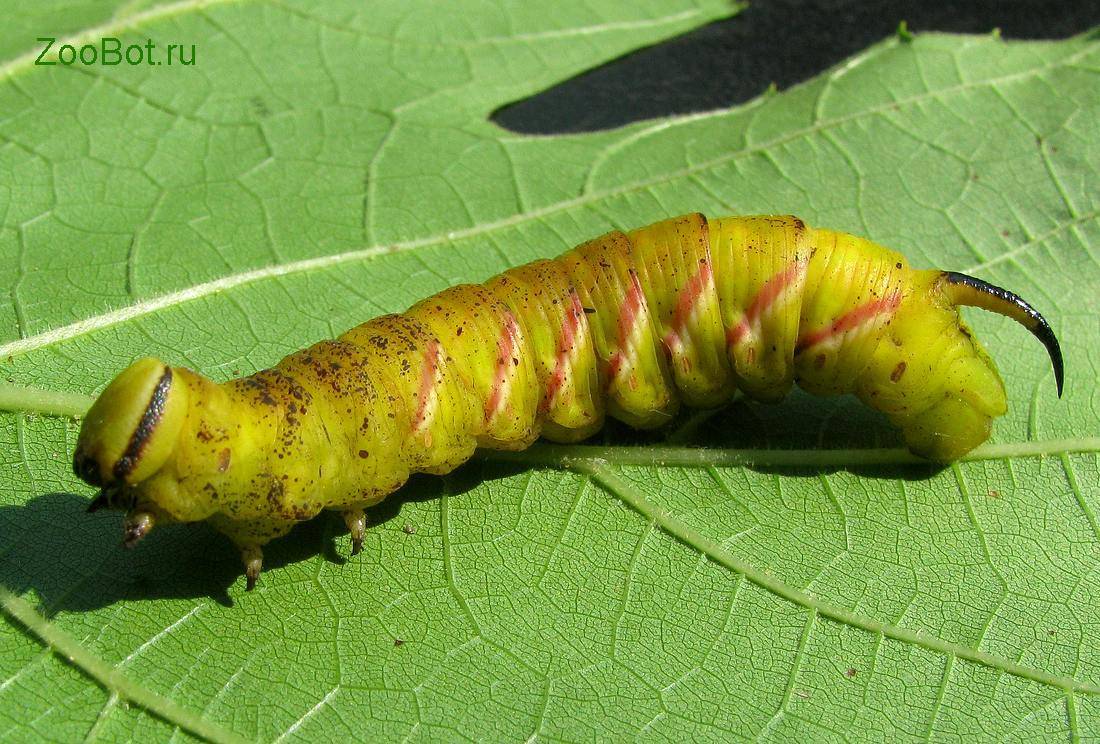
x=130, y=432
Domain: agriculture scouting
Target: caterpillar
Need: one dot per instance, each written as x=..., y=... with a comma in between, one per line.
x=630, y=325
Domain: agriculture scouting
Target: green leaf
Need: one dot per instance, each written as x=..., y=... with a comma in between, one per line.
x=323, y=163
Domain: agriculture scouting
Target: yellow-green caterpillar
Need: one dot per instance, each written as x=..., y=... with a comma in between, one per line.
x=629, y=325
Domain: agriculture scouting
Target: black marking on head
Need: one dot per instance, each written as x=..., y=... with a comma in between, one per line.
x=1032, y=319
x=86, y=468
x=154, y=411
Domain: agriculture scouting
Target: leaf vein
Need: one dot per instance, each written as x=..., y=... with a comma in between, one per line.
x=607, y=477
x=68, y=648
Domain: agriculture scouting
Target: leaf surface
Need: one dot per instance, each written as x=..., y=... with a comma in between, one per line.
x=322, y=164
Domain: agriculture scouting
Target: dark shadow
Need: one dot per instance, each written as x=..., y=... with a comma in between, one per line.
x=780, y=42
x=419, y=488
x=800, y=422
x=422, y=487
x=178, y=561
x=187, y=561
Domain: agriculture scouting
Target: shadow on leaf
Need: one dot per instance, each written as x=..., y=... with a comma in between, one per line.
x=801, y=422
x=74, y=561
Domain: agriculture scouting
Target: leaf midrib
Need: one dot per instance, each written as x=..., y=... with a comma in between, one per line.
x=230, y=281
x=110, y=678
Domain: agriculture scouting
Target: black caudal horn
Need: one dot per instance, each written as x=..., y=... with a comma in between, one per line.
x=962, y=289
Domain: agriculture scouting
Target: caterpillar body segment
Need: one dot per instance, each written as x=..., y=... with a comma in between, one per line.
x=629, y=325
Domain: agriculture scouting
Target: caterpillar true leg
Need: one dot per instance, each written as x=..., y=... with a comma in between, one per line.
x=253, y=558
x=356, y=520
x=136, y=526
x=630, y=325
